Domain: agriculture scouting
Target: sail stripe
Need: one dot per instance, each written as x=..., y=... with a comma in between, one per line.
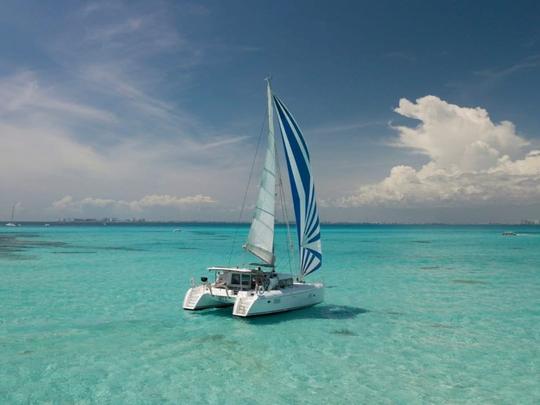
x=310, y=261
x=317, y=262
x=297, y=130
x=303, y=191
x=302, y=162
x=312, y=219
x=316, y=235
x=300, y=139
x=293, y=174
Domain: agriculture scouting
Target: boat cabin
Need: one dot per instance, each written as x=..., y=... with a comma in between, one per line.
x=240, y=279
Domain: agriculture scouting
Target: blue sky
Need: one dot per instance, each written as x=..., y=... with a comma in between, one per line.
x=153, y=109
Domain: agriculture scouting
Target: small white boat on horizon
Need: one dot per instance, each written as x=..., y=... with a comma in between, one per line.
x=258, y=289
x=12, y=222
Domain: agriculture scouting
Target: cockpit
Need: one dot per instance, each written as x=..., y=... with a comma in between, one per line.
x=249, y=279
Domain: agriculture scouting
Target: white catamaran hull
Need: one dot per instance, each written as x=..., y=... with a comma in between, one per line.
x=299, y=295
x=203, y=297
x=250, y=303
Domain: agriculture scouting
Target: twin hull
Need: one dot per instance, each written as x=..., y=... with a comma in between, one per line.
x=251, y=303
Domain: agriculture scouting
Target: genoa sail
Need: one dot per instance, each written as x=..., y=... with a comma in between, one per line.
x=261, y=234
x=303, y=191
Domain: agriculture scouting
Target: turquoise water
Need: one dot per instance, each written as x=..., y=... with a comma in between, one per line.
x=413, y=314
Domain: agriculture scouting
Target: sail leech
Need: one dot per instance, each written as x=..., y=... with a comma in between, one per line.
x=303, y=191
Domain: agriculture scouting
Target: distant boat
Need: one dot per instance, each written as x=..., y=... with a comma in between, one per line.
x=509, y=233
x=257, y=289
x=12, y=222
x=47, y=225
x=177, y=230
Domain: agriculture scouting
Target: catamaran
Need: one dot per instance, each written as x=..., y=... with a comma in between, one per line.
x=12, y=222
x=258, y=289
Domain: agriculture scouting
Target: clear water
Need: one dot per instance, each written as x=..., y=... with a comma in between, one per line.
x=412, y=314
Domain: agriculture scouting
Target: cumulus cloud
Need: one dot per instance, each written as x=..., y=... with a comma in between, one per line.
x=148, y=201
x=471, y=159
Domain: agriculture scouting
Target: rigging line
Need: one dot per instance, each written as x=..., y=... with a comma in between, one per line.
x=285, y=216
x=247, y=187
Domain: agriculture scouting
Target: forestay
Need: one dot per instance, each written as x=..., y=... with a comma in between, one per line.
x=303, y=191
x=261, y=234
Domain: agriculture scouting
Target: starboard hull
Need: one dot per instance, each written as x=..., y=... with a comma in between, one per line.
x=300, y=295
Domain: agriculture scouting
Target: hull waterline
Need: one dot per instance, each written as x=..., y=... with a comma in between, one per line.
x=255, y=303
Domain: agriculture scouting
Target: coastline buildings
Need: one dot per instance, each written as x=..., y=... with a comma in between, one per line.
x=530, y=222
x=101, y=221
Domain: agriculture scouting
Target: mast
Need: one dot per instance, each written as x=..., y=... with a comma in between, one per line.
x=13, y=212
x=260, y=240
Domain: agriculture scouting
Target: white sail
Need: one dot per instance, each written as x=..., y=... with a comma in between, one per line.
x=303, y=191
x=260, y=240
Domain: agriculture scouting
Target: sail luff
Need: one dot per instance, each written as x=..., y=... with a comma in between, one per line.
x=303, y=191
x=260, y=240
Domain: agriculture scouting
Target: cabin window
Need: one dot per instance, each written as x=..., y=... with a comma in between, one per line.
x=235, y=278
x=285, y=282
x=246, y=280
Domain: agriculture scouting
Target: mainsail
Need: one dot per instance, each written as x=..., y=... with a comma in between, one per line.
x=261, y=234
x=303, y=191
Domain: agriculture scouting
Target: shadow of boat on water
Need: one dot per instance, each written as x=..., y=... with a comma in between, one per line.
x=323, y=311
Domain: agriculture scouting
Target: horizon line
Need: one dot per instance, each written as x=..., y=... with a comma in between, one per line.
x=193, y=222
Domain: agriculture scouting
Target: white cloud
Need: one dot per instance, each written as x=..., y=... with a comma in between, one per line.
x=169, y=201
x=148, y=201
x=471, y=160
x=51, y=145
x=108, y=120
x=528, y=63
x=22, y=93
x=110, y=32
x=63, y=203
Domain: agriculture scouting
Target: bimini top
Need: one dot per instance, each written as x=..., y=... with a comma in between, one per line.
x=231, y=269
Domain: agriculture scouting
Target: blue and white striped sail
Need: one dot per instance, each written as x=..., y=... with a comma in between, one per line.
x=303, y=191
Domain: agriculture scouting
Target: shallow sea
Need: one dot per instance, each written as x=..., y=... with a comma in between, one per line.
x=413, y=314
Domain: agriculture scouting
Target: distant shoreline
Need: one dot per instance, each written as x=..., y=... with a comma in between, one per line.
x=219, y=223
